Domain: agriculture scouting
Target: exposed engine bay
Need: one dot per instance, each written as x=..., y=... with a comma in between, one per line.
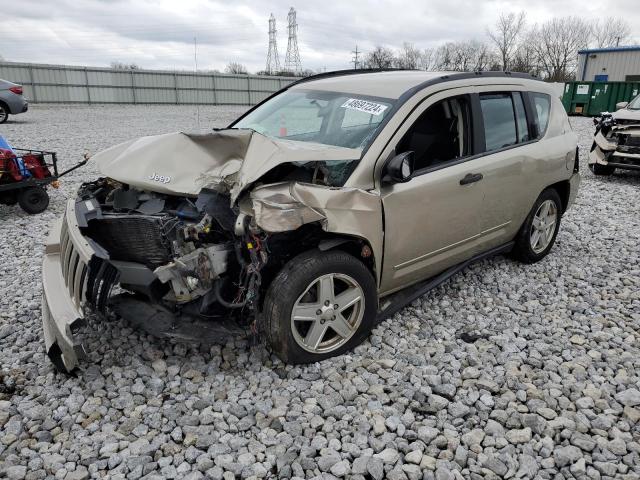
x=184, y=250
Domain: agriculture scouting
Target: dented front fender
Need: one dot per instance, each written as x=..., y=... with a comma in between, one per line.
x=344, y=210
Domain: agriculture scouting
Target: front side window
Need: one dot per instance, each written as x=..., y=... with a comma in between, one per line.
x=328, y=118
x=441, y=134
x=542, y=106
x=499, y=120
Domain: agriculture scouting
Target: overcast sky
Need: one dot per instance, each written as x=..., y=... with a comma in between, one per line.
x=160, y=33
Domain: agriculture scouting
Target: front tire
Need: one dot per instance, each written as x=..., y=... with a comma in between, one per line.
x=539, y=231
x=598, y=169
x=321, y=304
x=33, y=200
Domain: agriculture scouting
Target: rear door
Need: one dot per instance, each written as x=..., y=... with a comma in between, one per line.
x=506, y=140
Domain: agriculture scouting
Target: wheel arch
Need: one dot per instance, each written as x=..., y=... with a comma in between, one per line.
x=563, y=188
x=286, y=245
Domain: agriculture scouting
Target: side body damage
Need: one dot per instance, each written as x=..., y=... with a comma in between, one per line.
x=195, y=242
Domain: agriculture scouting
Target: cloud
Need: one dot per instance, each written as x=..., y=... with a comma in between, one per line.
x=160, y=33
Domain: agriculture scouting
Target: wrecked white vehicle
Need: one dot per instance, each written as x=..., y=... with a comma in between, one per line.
x=325, y=208
x=617, y=140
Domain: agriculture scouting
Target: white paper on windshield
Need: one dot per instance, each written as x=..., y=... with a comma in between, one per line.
x=364, y=106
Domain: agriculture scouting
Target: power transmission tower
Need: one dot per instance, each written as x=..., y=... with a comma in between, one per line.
x=355, y=60
x=273, y=61
x=292, y=59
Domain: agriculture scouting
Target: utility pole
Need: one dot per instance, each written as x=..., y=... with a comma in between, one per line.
x=355, y=59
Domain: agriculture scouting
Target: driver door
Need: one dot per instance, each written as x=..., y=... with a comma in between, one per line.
x=432, y=221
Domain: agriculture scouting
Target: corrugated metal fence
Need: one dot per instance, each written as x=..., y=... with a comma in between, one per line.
x=68, y=84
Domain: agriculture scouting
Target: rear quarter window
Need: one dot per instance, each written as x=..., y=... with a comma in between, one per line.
x=542, y=108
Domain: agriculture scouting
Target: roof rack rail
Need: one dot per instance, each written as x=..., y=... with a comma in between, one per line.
x=340, y=73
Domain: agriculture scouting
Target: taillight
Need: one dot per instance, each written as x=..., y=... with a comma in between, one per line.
x=16, y=90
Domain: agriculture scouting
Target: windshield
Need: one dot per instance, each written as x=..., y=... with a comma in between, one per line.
x=329, y=118
x=634, y=104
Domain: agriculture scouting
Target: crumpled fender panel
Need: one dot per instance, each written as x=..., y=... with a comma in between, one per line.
x=351, y=211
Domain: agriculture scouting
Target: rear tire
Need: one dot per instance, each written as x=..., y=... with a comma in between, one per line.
x=33, y=200
x=539, y=231
x=4, y=113
x=301, y=325
x=598, y=169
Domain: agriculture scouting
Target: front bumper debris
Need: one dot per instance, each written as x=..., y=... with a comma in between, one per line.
x=65, y=273
x=620, y=149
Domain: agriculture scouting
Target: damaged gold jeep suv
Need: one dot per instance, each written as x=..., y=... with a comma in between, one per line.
x=322, y=210
x=617, y=140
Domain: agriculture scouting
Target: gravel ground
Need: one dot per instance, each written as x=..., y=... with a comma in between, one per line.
x=506, y=371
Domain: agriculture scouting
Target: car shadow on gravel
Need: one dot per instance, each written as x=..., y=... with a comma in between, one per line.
x=113, y=344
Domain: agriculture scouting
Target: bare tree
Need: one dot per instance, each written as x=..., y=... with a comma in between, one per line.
x=505, y=36
x=610, y=32
x=124, y=66
x=556, y=44
x=379, y=57
x=429, y=59
x=409, y=57
x=467, y=56
x=525, y=57
x=235, y=67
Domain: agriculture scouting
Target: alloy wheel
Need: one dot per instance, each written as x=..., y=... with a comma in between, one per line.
x=543, y=226
x=328, y=313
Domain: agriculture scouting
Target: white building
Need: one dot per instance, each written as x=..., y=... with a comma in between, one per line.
x=614, y=64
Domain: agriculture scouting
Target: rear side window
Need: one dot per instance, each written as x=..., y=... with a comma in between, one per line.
x=542, y=106
x=499, y=120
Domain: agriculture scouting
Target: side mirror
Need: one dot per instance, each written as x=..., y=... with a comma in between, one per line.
x=621, y=105
x=398, y=169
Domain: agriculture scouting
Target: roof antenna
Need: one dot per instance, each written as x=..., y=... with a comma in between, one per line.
x=195, y=59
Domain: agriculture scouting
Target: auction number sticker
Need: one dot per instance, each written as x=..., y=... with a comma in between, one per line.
x=365, y=106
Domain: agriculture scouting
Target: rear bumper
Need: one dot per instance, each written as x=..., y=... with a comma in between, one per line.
x=64, y=279
x=17, y=103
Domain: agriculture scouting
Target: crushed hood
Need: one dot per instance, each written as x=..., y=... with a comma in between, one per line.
x=223, y=160
x=627, y=115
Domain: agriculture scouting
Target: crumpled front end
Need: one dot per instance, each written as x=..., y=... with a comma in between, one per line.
x=193, y=260
x=616, y=143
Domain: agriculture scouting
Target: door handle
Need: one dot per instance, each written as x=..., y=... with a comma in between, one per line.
x=471, y=178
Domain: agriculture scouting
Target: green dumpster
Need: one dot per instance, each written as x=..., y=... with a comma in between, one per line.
x=593, y=98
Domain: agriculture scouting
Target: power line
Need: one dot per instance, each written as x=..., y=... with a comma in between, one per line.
x=292, y=59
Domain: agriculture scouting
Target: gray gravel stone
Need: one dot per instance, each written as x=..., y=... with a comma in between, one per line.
x=375, y=468
x=566, y=455
x=629, y=398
